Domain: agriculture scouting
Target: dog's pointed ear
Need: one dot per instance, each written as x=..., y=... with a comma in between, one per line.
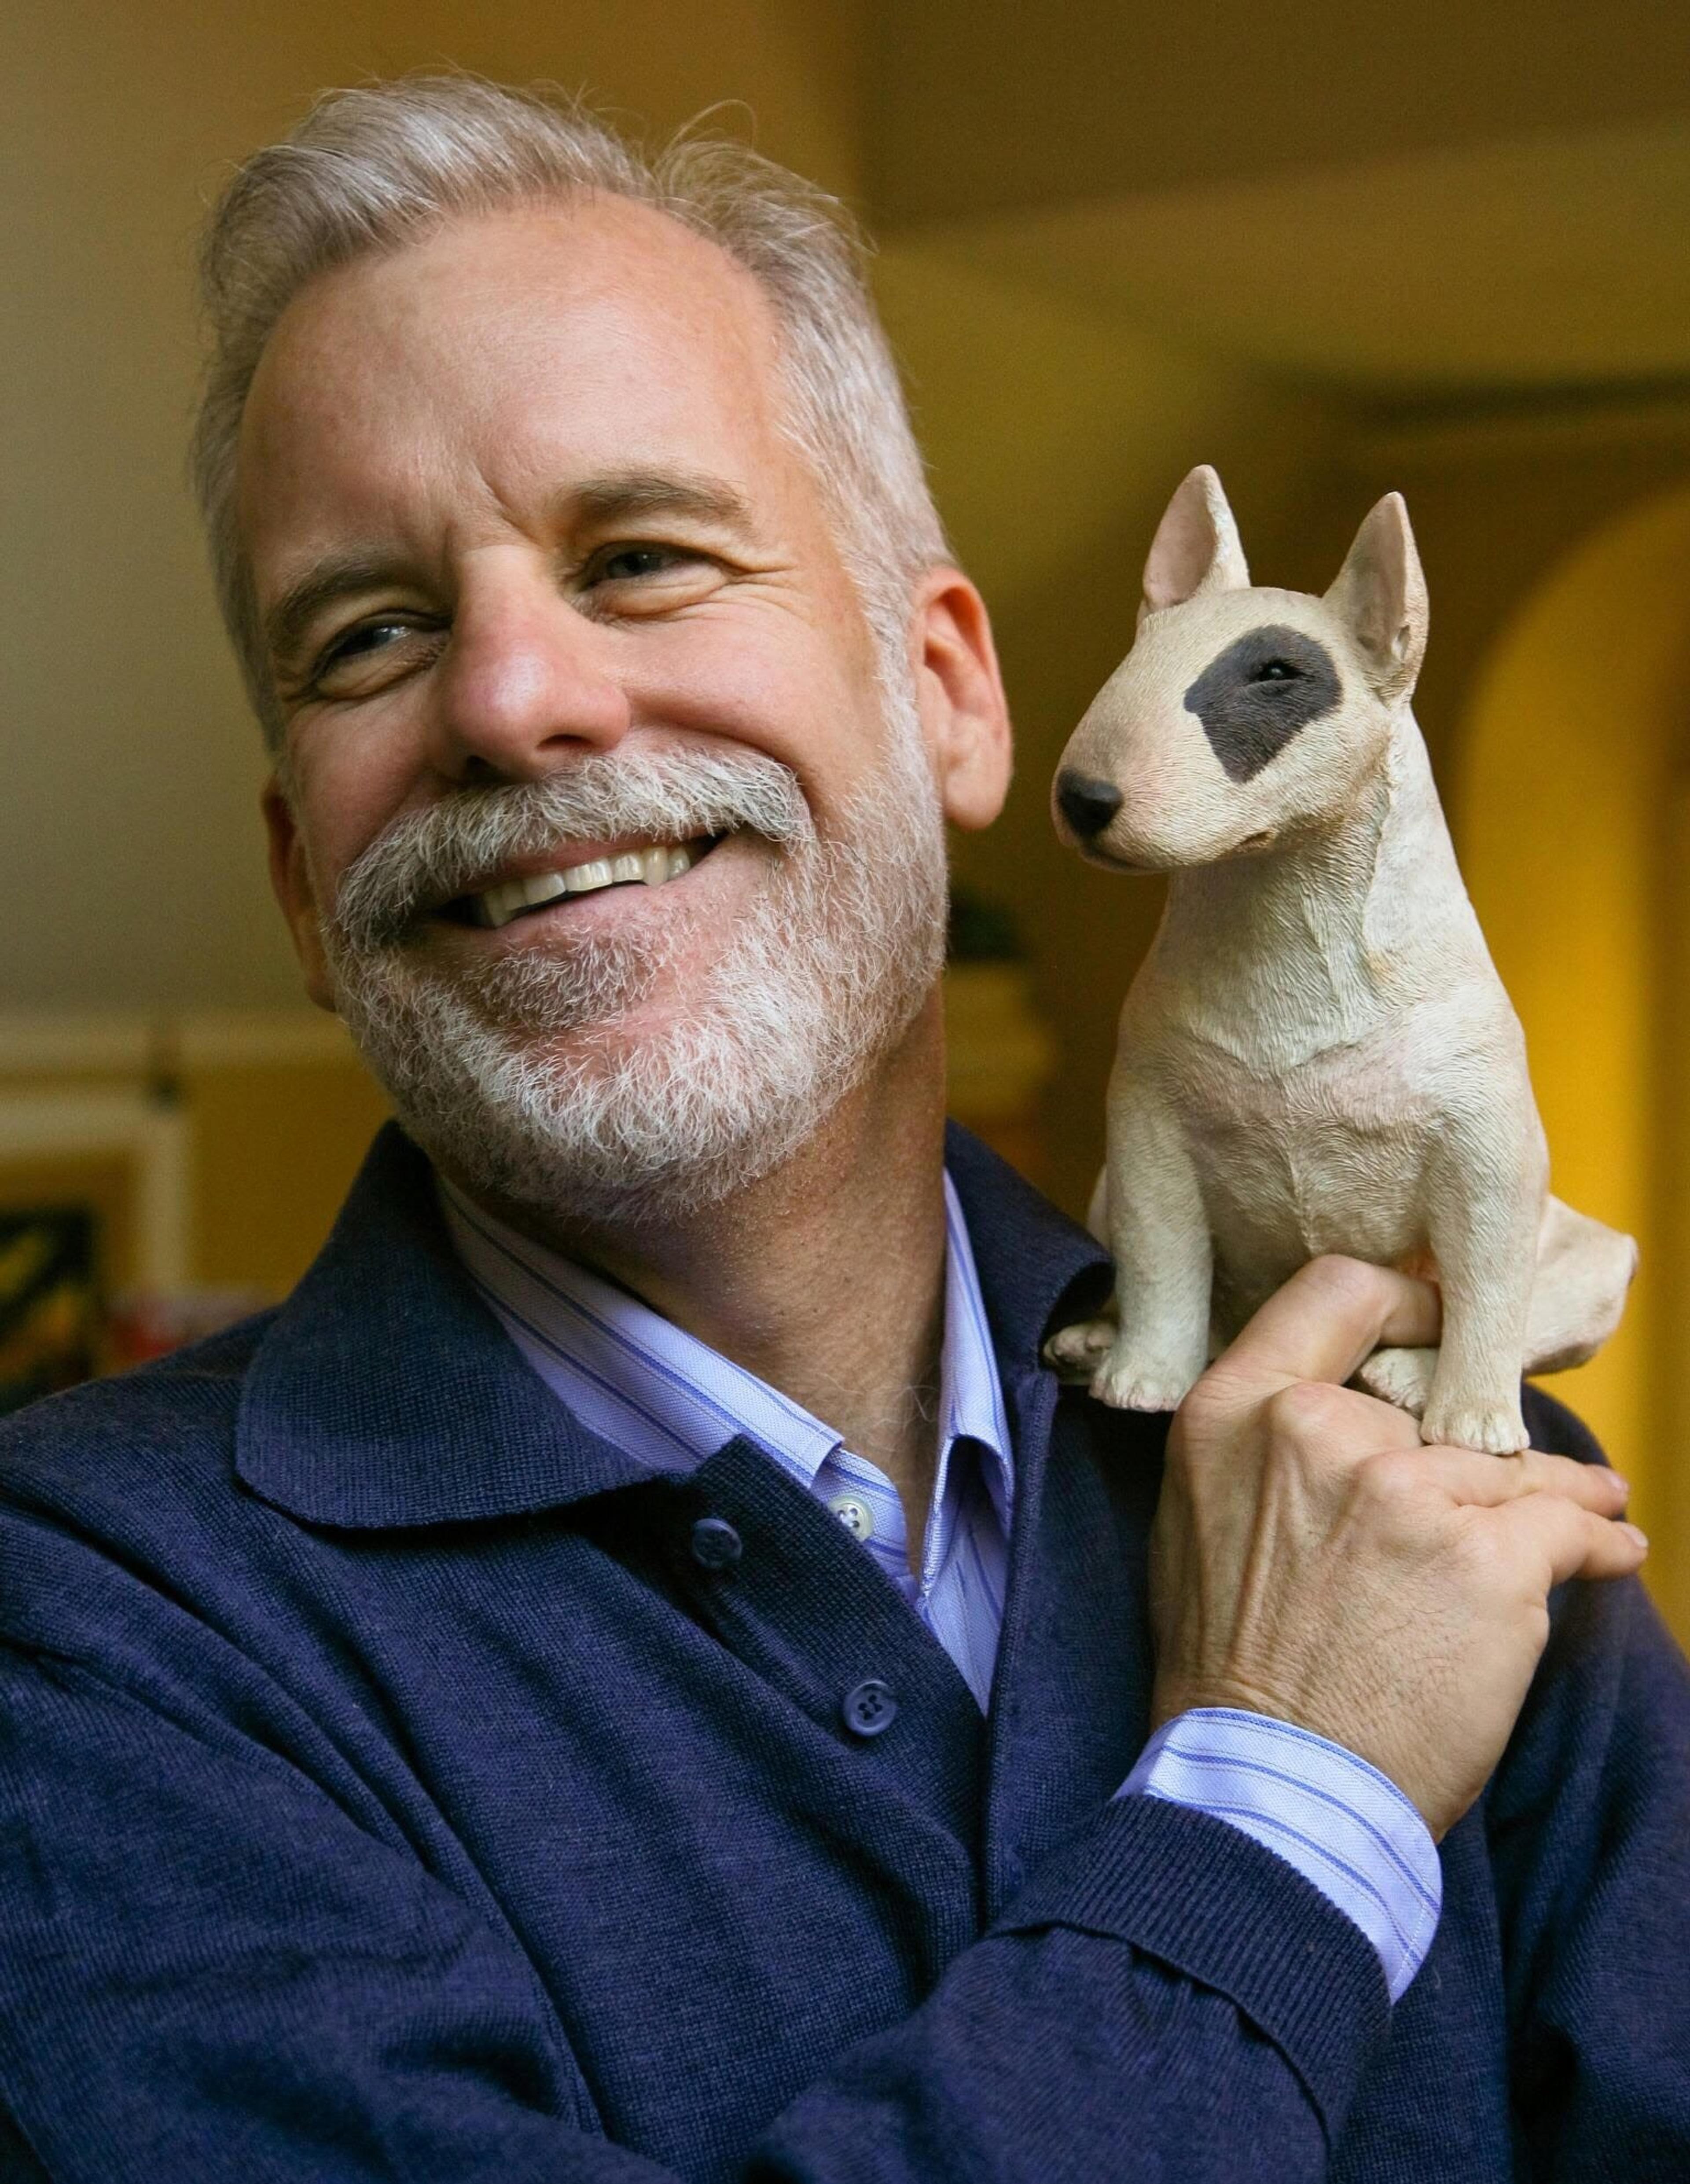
x=1380, y=595
x=1195, y=547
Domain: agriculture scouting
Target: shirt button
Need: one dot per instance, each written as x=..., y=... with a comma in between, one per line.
x=856, y=1517
x=716, y=1545
x=868, y=1707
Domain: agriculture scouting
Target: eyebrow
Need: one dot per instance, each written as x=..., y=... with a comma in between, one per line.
x=613, y=497
x=617, y=495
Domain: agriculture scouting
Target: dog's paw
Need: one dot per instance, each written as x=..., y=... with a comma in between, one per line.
x=1078, y=1351
x=1135, y=1380
x=1402, y=1377
x=1495, y=1429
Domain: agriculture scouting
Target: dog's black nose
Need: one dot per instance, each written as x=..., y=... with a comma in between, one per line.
x=1088, y=806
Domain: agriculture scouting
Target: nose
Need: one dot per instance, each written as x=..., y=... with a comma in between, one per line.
x=1087, y=805
x=528, y=680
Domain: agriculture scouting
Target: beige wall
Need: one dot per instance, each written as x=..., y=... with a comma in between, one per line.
x=1055, y=438
x=129, y=841
x=988, y=104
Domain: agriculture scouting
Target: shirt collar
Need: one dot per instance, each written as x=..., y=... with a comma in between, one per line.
x=970, y=1393
x=383, y=1392
x=601, y=1348
x=677, y=1396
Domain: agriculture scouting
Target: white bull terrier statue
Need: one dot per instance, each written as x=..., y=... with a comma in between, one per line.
x=1317, y=1055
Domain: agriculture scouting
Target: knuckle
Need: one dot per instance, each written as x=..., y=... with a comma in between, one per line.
x=1555, y=1480
x=1303, y=1412
x=1348, y=1283
x=1565, y=1475
x=1394, y=1479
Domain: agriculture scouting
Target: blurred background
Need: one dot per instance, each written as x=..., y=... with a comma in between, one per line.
x=1332, y=250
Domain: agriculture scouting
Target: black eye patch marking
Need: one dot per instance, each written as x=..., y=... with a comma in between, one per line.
x=1253, y=698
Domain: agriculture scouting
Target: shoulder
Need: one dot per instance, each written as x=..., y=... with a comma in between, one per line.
x=1583, y=1827
x=1612, y=1690
x=119, y=1491
x=115, y=1432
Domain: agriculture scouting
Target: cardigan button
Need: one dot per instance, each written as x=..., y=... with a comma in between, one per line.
x=868, y=1707
x=715, y=1545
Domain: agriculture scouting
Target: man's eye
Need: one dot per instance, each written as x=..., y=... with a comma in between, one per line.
x=637, y=578
x=370, y=654
x=621, y=565
x=368, y=637
x=636, y=561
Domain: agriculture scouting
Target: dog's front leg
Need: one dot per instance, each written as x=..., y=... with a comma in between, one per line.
x=1147, y=1357
x=1486, y=1187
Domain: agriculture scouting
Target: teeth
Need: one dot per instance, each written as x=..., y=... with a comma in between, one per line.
x=497, y=905
x=500, y=904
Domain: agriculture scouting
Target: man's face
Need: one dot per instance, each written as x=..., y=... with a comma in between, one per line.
x=522, y=522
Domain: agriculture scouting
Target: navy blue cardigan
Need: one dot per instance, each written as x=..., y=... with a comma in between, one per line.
x=387, y=1791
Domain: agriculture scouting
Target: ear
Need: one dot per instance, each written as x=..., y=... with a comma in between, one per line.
x=1195, y=547
x=964, y=713
x=1380, y=595
x=290, y=876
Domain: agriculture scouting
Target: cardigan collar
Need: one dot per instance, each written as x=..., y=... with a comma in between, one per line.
x=384, y=1393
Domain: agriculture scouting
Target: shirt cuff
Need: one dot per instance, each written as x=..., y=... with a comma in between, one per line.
x=1345, y=1826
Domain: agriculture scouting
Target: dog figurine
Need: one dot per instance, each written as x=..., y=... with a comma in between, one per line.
x=1317, y=1055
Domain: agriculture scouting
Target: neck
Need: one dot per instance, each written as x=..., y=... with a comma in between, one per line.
x=1295, y=950
x=825, y=1277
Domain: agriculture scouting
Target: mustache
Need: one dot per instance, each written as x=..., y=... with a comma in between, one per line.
x=429, y=858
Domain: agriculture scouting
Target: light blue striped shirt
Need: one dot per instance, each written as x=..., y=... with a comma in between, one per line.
x=651, y=1389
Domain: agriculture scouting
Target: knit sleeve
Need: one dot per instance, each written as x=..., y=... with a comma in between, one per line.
x=211, y=1967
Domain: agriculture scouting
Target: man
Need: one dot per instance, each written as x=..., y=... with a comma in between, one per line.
x=636, y=1669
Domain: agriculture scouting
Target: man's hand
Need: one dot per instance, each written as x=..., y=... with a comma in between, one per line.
x=1311, y=1560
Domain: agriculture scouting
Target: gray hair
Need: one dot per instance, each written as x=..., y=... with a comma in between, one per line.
x=370, y=171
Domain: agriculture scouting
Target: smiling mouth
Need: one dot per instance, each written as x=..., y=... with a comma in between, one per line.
x=651, y=865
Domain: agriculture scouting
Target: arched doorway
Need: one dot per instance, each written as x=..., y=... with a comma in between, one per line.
x=1571, y=811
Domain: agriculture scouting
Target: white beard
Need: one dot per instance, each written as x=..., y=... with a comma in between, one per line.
x=512, y=1076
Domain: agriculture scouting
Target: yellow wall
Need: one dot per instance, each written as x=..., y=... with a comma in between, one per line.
x=1573, y=807
x=277, y=1110
x=276, y=1146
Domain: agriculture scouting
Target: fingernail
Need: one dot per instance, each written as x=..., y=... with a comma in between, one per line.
x=1624, y=1485
x=1641, y=1538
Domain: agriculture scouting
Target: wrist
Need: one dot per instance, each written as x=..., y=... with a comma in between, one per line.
x=1339, y=1727
x=1330, y=1814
